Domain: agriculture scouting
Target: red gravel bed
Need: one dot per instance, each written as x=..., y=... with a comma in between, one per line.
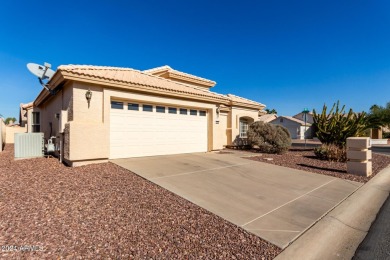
x=305, y=159
x=103, y=211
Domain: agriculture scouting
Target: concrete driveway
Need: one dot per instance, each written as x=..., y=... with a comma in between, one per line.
x=273, y=202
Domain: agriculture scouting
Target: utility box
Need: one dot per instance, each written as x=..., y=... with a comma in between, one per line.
x=359, y=156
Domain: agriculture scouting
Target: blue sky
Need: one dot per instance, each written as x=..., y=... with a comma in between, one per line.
x=286, y=54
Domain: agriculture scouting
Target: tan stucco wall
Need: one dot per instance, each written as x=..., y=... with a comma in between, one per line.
x=220, y=131
x=48, y=110
x=60, y=101
x=10, y=133
x=236, y=114
x=87, y=135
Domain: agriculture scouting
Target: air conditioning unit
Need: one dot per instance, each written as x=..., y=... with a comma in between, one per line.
x=29, y=145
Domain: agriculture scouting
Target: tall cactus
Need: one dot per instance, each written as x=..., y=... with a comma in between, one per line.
x=336, y=127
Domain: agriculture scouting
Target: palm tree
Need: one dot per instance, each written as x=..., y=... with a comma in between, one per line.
x=273, y=111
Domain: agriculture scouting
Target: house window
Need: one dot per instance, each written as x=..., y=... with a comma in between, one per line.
x=172, y=110
x=132, y=106
x=243, y=128
x=202, y=113
x=193, y=112
x=183, y=111
x=281, y=120
x=147, y=108
x=36, y=122
x=116, y=105
x=160, y=109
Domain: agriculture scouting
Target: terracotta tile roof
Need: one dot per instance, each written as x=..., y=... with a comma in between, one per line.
x=28, y=105
x=148, y=81
x=267, y=118
x=238, y=99
x=295, y=120
x=170, y=70
x=132, y=76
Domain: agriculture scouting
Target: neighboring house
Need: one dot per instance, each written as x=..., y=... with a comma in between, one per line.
x=309, y=117
x=295, y=126
x=268, y=118
x=134, y=113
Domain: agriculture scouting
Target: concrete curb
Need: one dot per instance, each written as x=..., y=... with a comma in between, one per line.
x=338, y=234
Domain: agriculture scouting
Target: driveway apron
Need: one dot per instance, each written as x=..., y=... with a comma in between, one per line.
x=275, y=203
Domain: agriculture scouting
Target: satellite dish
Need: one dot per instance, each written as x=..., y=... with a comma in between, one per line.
x=43, y=72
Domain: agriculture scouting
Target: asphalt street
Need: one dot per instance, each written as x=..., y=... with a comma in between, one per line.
x=376, y=244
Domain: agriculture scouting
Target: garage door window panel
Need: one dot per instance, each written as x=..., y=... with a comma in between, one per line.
x=183, y=111
x=193, y=112
x=147, y=108
x=202, y=113
x=116, y=105
x=172, y=110
x=133, y=106
x=160, y=109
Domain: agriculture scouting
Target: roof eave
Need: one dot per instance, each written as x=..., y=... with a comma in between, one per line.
x=203, y=82
x=141, y=88
x=55, y=81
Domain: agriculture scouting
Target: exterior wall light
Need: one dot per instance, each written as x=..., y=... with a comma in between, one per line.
x=88, y=96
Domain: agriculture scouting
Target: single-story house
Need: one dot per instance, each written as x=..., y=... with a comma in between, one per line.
x=297, y=128
x=99, y=113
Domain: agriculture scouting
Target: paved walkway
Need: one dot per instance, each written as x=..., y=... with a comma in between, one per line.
x=273, y=202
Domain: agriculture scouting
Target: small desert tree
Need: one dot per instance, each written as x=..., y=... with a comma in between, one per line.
x=9, y=119
x=269, y=138
x=335, y=127
x=272, y=111
x=379, y=115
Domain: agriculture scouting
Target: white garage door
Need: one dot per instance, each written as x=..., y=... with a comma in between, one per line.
x=141, y=129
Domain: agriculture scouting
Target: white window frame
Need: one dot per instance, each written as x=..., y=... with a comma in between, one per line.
x=244, y=126
x=35, y=122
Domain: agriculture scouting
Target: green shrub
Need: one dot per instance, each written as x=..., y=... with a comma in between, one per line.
x=331, y=152
x=269, y=138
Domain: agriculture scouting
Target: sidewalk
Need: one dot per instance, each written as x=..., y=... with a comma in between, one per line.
x=339, y=233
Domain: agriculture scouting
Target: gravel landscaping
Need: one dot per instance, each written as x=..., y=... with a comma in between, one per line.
x=304, y=159
x=103, y=211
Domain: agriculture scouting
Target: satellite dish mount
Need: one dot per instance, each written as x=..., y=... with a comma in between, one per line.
x=44, y=74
